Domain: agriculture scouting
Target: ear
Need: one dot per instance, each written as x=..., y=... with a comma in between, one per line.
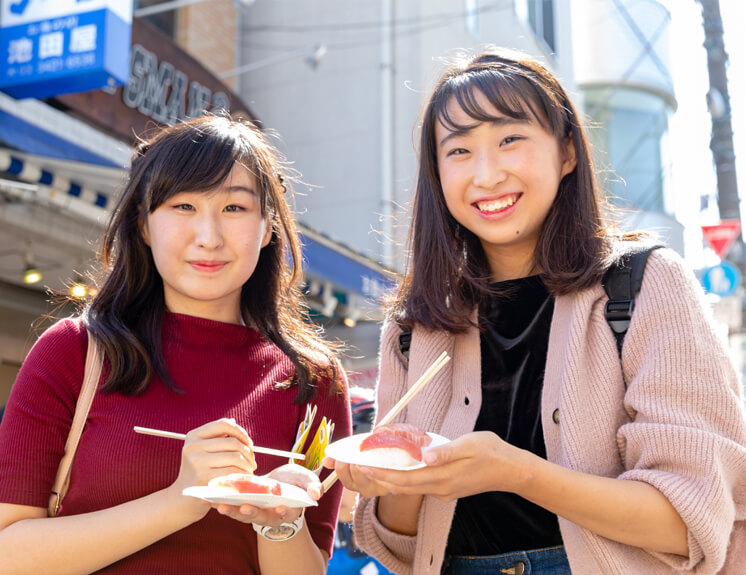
x=268, y=225
x=142, y=224
x=569, y=157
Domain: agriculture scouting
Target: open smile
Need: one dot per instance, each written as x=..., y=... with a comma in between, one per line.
x=496, y=206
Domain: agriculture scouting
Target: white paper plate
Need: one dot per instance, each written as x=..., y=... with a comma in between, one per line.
x=347, y=450
x=292, y=496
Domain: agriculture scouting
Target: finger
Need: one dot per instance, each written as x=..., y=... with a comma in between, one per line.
x=344, y=476
x=224, y=508
x=217, y=464
x=359, y=477
x=441, y=455
x=269, y=516
x=387, y=475
x=220, y=444
x=473, y=444
x=295, y=474
x=415, y=481
x=234, y=512
x=314, y=491
x=365, y=485
x=220, y=428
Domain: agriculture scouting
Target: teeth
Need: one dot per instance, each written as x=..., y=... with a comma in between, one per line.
x=497, y=205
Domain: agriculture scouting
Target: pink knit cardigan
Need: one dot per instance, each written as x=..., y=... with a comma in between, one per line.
x=678, y=424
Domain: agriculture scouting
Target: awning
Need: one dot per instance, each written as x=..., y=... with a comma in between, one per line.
x=37, y=128
x=350, y=271
x=64, y=180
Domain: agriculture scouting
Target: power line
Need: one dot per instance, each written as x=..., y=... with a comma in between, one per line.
x=377, y=24
x=422, y=26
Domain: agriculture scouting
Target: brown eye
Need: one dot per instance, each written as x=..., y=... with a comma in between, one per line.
x=233, y=208
x=458, y=152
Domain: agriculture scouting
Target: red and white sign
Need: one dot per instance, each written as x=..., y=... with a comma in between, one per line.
x=721, y=236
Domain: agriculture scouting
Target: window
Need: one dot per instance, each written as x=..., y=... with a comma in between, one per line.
x=630, y=127
x=539, y=14
x=165, y=21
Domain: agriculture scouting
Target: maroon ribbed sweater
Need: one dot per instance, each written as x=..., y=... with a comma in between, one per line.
x=224, y=370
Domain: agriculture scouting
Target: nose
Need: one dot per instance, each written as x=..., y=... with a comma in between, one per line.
x=208, y=233
x=488, y=171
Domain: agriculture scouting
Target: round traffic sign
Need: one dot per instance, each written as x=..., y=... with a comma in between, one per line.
x=722, y=279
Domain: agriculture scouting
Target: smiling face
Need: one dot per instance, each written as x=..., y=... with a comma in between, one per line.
x=206, y=245
x=499, y=180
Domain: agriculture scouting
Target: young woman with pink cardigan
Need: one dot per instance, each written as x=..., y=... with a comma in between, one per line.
x=563, y=458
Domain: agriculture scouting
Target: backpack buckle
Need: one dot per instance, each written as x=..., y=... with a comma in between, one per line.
x=618, y=313
x=405, y=340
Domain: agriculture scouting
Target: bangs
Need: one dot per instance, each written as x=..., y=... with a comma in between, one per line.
x=197, y=159
x=509, y=94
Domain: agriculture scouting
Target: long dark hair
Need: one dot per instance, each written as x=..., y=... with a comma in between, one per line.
x=447, y=274
x=126, y=315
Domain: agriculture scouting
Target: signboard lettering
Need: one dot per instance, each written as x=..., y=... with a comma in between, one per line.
x=163, y=93
x=55, y=47
x=164, y=84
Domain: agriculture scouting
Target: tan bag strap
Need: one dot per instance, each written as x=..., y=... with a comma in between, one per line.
x=93, y=364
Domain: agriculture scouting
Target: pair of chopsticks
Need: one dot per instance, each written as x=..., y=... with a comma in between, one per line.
x=424, y=379
x=257, y=449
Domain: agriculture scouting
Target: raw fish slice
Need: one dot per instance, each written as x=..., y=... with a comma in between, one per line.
x=407, y=430
x=247, y=483
x=387, y=440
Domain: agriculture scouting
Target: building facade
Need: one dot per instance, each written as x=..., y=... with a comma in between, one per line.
x=349, y=121
x=621, y=53
x=64, y=158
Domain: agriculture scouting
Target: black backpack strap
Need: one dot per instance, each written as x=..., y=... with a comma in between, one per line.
x=405, y=339
x=622, y=282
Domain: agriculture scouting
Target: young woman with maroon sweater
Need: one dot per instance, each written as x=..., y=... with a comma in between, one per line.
x=200, y=320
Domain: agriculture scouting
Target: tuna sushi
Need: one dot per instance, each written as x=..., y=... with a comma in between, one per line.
x=247, y=483
x=395, y=445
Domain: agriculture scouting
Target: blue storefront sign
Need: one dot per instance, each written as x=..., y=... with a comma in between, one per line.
x=50, y=47
x=722, y=279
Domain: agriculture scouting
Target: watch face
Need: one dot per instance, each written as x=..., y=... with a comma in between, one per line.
x=280, y=533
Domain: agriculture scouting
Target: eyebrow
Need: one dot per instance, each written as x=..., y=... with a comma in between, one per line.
x=231, y=189
x=462, y=130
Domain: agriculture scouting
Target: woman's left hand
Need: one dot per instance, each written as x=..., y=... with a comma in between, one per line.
x=474, y=463
x=290, y=473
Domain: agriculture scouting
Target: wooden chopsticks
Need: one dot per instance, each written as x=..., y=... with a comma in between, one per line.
x=423, y=380
x=257, y=449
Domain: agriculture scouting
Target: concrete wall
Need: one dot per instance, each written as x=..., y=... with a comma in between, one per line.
x=332, y=119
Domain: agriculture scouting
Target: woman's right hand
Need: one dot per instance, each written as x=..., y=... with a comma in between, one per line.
x=215, y=449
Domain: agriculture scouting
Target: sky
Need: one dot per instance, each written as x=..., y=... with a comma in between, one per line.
x=692, y=169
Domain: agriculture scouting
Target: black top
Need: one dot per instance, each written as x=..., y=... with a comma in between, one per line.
x=514, y=339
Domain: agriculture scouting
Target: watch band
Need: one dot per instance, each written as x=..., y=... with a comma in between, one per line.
x=282, y=532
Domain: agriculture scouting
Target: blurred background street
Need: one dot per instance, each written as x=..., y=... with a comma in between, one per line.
x=342, y=83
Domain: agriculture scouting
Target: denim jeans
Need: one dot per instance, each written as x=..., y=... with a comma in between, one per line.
x=549, y=561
